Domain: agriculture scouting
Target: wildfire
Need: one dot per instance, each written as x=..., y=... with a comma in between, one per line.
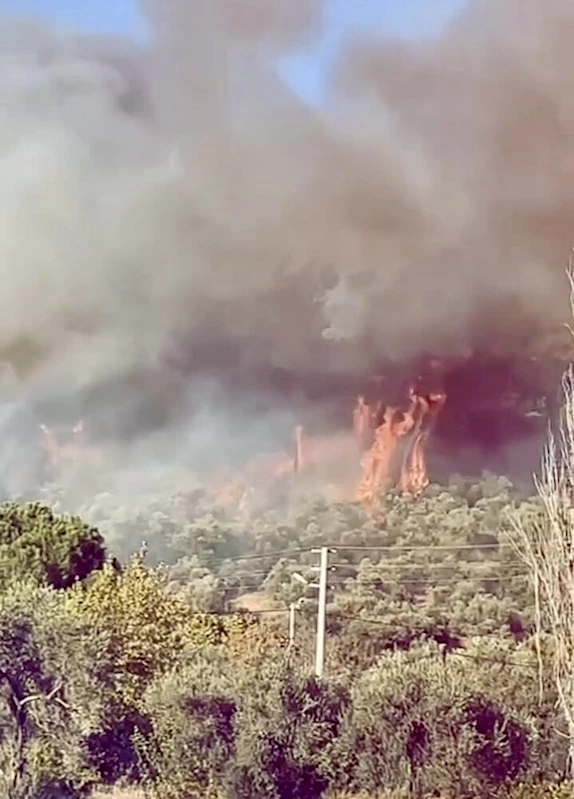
x=414, y=475
x=378, y=462
x=331, y=464
x=71, y=453
x=299, y=460
x=378, y=465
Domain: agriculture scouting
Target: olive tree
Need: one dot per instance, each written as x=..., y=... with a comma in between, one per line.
x=50, y=671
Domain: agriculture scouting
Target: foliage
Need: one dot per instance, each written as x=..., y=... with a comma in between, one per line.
x=258, y=732
x=55, y=550
x=286, y=722
x=442, y=558
x=147, y=626
x=192, y=711
x=148, y=630
x=542, y=791
x=50, y=666
x=545, y=545
x=432, y=673
x=204, y=591
x=462, y=725
x=171, y=523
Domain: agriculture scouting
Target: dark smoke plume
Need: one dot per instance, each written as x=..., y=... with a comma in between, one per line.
x=177, y=211
x=430, y=206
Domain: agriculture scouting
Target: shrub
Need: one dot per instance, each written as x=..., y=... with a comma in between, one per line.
x=192, y=714
x=286, y=725
x=147, y=626
x=261, y=731
x=463, y=727
x=149, y=630
x=50, y=670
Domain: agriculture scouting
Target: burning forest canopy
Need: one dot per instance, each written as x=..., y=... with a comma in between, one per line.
x=182, y=236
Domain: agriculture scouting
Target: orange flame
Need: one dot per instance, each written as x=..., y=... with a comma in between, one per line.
x=378, y=462
x=414, y=475
x=327, y=459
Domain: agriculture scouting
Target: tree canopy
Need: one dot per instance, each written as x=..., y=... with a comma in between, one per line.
x=54, y=550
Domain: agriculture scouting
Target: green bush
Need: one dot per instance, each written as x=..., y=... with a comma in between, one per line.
x=50, y=672
x=262, y=731
x=461, y=726
x=286, y=725
x=146, y=630
x=192, y=727
x=436, y=687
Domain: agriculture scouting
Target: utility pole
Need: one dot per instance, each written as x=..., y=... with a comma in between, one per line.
x=321, y=611
x=291, y=624
x=293, y=607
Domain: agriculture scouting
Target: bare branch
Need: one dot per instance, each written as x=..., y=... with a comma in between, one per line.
x=46, y=697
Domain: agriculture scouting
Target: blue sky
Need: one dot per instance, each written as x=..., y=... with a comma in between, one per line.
x=304, y=71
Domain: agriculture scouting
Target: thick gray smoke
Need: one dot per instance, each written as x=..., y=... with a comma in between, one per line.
x=178, y=209
x=434, y=193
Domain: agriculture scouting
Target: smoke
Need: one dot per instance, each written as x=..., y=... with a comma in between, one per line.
x=177, y=210
x=431, y=201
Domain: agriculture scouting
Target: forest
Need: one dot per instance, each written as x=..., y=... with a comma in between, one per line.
x=150, y=650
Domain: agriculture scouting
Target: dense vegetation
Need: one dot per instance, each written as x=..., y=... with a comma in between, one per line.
x=141, y=670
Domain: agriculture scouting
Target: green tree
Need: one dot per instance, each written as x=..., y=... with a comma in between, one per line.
x=148, y=627
x=192, y=711
x=148, y=630
x=50, y=671
x=286, y=724
x=465, y=724
x=258, y=731
x=54, y=550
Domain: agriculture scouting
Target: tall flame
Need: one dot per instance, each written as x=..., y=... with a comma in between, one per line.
x=378, y=462
x=299, y=460
x=418, y=421
x=414, y=474
x=317, y=460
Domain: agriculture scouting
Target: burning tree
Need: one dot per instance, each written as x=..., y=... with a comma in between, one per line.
x=416, y=423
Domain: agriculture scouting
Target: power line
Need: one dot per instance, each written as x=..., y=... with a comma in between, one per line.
x=445, y=580
x=495, y=545
x=423, y=548
x=381, y=622
x=262, y=556
x=246, y=612
x=248, y=580
x=468, y=656
x=386, y=548
x=483, y=658
x=241, y=575
x=389, y=564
